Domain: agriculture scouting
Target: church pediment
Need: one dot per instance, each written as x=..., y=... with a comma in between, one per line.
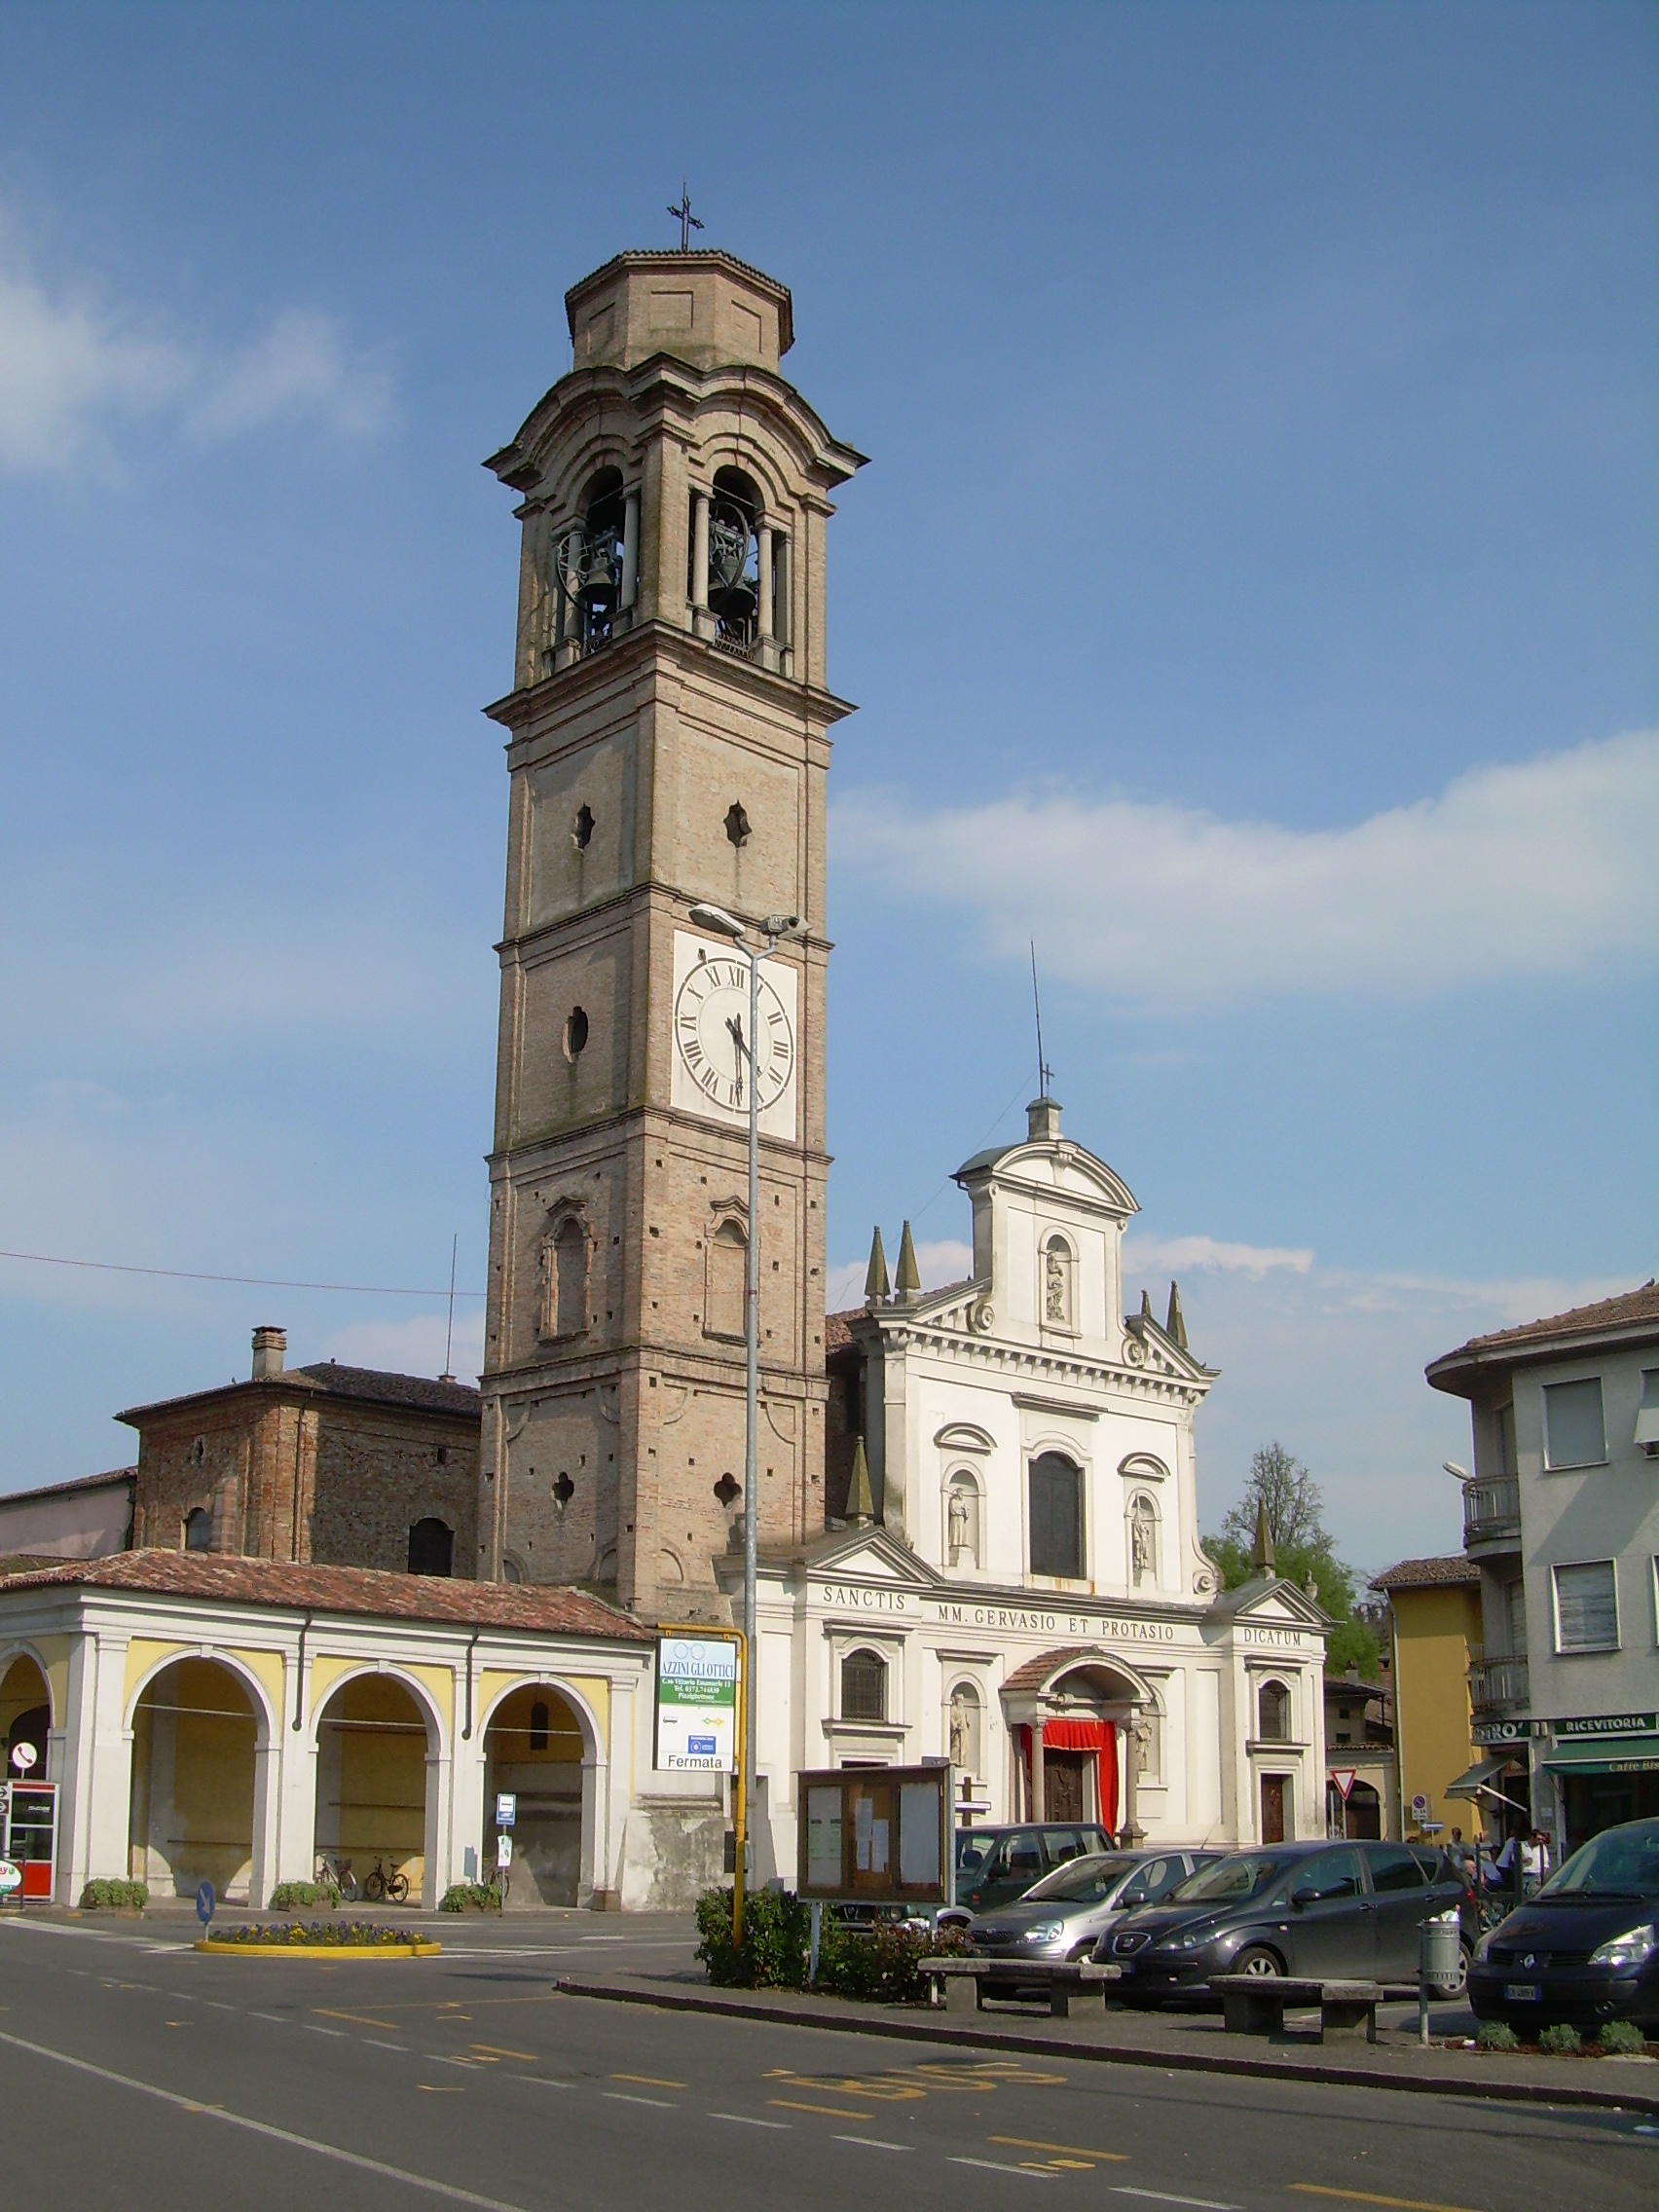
x=1055, y=1166
x=1271, y=1602
x=964, y=1436
x=868, y=1555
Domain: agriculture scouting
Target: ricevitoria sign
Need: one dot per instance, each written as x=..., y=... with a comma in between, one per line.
x=696, y=1704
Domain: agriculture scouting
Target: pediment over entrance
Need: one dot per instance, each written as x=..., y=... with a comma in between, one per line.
x=1098, y=1672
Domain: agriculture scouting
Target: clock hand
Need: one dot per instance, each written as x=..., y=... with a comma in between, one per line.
x=734, y=1026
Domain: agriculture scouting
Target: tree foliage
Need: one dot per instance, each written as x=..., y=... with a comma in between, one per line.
x=1303, y=1546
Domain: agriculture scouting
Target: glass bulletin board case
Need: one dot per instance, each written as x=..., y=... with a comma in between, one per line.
x=875, y=1835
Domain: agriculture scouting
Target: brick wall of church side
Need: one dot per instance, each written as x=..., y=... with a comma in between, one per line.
x=378, y=1472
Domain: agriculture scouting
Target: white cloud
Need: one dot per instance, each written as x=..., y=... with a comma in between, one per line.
x=1542, y=868
x=74, y=368
x=1179, y=1252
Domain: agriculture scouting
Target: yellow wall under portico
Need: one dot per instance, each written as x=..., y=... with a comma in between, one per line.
x=1436, y=1633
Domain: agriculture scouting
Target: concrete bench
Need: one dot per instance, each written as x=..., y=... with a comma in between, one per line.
x=1255, y=2004
x=967, y=1982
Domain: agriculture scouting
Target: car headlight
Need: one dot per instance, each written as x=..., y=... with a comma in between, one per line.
x=1189, y=1939
x=1634, y=1948
x=1045, y=1931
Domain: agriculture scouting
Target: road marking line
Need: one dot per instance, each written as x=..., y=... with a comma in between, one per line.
x=831, y=2112
x=442, y=2058
x=621, y=2097
x=443, y=2088
x=874, y=2143
x=374, y=2043
x=747, y=2119
x=1163, y=2196
x=311, y=2029
x=276, y=2017
x=357, y=2019
x=178, y=2023
x=213, y=2006
x=648, y=2081
x=997, y=2167
x=498, y=2051
x=264, y=2127
x=1364, y=2196
x=1073, y=2150
x=545, y=2080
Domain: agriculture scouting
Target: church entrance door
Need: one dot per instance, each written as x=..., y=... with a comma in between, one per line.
x=1066, y=1795
x=1273, y=1808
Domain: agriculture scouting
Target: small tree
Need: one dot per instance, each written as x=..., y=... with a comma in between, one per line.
x=1303, y=1547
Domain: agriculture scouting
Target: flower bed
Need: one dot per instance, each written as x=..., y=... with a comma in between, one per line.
x=316, y=1935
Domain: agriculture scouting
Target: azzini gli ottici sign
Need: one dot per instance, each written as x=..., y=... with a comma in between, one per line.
x=696, y=1703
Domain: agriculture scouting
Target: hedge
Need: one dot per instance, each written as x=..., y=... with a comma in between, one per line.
x=880, y=1964
x=121, y=1897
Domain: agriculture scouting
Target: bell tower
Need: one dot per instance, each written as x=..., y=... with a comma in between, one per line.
x=668, y=745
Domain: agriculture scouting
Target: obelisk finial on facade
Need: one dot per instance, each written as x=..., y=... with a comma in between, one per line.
x=1176, y=1325
x=908, y=1280
x=875, y=1279
x=1262, y=1558
x=860, y=1506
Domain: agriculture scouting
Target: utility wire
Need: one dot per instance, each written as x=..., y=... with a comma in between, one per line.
x=249, y=1282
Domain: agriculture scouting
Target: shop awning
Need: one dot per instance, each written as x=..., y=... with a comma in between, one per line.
x=1481, y=1780
x=1606, y=1754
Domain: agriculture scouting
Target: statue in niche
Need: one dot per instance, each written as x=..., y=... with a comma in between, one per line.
x=1143, y=1540
x=964, y=1745
x=959, y=1526
x=1055, y=1277
x=546, y=1290
x=1145, y=1763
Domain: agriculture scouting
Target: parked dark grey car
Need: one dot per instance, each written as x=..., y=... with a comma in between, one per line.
x=1316, y=1910
x=1065, y=1914
x=1586, y=1948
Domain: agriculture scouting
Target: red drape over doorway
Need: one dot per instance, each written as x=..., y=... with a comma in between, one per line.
x=1097, y=1736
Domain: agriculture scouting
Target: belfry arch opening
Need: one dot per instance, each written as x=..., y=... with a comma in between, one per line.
x=534, y=1750
x=195, y=1730
x=373, y=1763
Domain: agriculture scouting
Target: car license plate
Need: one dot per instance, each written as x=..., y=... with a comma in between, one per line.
x=1521, y=1993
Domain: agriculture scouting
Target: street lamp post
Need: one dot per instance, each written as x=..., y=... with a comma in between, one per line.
x=717, y=920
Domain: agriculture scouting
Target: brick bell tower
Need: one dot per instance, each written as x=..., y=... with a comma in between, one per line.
x=668, y=743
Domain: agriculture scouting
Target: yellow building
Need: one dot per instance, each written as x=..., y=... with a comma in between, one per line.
x=1436, y=1609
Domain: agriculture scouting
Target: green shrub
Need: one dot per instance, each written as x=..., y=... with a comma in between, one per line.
x=471, y=1896
x=880, y=1965
x=1560, y=2040
x=1621, y=2038
x=303, y=1896
x=1496, y=2035
x=117, y=1896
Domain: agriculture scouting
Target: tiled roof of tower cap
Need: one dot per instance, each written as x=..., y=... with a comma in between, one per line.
x=419, y=1393
x=1427, y=1574
x=360, y=1590
x=1630, y=1308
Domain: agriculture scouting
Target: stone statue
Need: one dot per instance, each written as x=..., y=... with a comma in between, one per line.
x=961, y=1730
x=1055, y=1277
x=1143, y=1540
x=957, y=1519
x=546, y=1290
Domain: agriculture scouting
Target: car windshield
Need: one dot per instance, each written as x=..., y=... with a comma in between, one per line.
x=971, y=1852
x=1244, y=1875
x=1086, y=1879
x=1621, y=1861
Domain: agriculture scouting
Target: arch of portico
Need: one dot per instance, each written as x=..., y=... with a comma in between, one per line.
x=542, y=1741
x=1068, y=1714
x=201, y=1730
x=381, y=1767
x=25, y=1709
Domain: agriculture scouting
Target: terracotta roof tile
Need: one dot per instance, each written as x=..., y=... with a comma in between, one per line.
x=1035, y=1672
x=1631, y=1308
x=1428, y=1573
x=547, y=1608
x=837, y=1332
x=75, y=1483
x=419, y=1393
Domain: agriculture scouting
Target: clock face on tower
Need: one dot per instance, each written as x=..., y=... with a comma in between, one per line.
x=712, y=1057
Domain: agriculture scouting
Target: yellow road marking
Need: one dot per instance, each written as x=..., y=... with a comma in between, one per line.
x=651, y=2081
x=1072, y=2149
x=495, y=2050
x=882, y=2086
x=443, y=2089
x=832, y=2112
x=1365, y=2196
x=362, y=2020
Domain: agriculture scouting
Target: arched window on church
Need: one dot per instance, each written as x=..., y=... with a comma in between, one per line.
x=1057, y=1516
x=1273, y=1713
x=727, y=1256
x=431, y=1547
x=199, y=1530
x=562, y=1266
x=864, y=1687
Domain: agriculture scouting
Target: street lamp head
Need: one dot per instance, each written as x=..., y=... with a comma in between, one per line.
x=782, y=925
x=1452, y=1468
x=717, y=920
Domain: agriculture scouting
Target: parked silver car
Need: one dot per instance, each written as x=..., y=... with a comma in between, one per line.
x=1064, y=1914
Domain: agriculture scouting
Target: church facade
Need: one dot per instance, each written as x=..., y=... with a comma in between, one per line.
x=1017, y=1584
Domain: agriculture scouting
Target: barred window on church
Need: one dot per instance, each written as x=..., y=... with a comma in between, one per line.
x=864, y=1687
x=1057, y=1516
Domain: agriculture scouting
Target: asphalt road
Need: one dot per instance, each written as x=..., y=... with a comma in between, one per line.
x=140, y=2073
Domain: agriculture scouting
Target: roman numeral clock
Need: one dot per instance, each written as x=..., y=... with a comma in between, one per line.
x=710, y=1023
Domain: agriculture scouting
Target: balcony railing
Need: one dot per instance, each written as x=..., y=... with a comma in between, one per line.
x=1498, y=1683
x=1492, y=1508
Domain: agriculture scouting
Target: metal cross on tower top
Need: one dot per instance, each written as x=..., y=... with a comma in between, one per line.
x=684, y=216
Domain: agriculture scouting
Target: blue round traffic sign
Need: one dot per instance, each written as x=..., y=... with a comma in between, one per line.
x=204, y=1904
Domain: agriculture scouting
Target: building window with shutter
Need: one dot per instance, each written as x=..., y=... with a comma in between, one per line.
x=1587, y=1606
x=1573, y=1432
x=864, y=1687
x=1056, y=1517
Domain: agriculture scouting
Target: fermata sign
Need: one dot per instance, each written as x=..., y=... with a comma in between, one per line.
x=696, y=1704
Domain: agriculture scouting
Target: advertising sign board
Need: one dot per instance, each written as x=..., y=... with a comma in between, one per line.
x=503, y=1850
x=696, y=1703
x=10, y=1877
x=875, y=1835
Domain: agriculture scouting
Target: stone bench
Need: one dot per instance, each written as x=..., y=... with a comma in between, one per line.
x=1255, y=2004
x=967, y=1982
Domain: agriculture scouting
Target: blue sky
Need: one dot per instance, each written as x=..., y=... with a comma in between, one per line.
x=1252, y=597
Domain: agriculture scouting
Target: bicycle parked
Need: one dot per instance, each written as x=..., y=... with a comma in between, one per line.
x=385, y=1882
x=336, y=1874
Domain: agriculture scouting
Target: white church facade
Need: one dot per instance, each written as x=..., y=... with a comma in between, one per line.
x=1018, y=1584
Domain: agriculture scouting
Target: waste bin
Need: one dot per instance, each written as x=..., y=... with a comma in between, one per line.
x=1440, y=1963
